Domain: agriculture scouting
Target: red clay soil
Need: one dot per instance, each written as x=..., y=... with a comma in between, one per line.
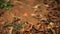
x=38, y=16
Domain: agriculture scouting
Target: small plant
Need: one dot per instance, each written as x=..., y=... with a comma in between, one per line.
x=5, y=4
x=15, y=25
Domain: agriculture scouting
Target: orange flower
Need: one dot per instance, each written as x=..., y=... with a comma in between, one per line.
x=25, y=14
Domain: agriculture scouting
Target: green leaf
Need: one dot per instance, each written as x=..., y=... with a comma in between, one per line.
x=4, y=1
x=1, y=5
x=15, y=29
x=4, y=4
x=21, y=25
x=8, y=7
x=15, y=24
x=7, y=25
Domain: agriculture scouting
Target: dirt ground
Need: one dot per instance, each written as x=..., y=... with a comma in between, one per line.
x=38, y=16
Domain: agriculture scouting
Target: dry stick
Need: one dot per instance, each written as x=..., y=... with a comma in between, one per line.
x=11, y=28
x=52, y=16
x=19, y=2
x=53, y=31
x=10, y=31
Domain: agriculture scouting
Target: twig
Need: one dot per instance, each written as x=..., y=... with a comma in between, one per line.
x=10, y=31
x=21, y=3
x=53, y=31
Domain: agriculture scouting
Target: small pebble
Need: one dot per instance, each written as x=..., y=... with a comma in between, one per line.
x=51, y=23
x=36, y=6
x=47, y=5
x=33, y=14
